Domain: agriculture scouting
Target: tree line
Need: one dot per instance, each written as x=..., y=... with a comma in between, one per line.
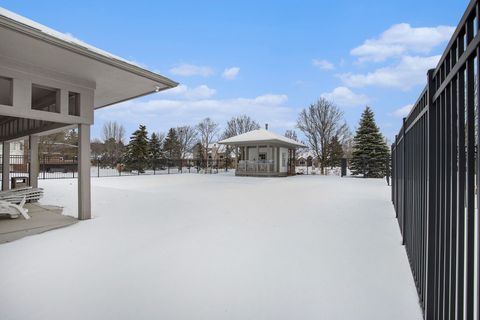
x=144, y=150
x=322, y=124
x=330, y=139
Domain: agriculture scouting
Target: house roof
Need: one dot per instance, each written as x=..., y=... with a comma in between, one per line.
x=261, y=136
x=114, y=79
x=306, y=153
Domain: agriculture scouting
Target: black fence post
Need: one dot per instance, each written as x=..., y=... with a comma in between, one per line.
x=43, y=165
x=430, y=283
x=343, y=167
x=404, y=200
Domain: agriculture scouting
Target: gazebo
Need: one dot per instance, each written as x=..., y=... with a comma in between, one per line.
x=262, y=153
x=50, y=81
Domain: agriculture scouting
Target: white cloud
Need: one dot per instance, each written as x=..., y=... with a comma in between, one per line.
x=231, y=73
x=409, y=72
x=188, y=70
x=401, y=39
x=403, y=111
x=323, y=64
x=161, y=114
x=183, y=91
x=345, y=97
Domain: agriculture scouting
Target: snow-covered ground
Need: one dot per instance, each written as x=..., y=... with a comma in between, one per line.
x=217, y=246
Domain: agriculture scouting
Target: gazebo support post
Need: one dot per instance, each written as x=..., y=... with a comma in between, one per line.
x=271, y=156
x=258, y=157
x=84, y=197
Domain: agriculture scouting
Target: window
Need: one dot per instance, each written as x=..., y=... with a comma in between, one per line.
x=45, y=98
x=6, y=91
x=262, y=156
x=74, y=104
x=284, y=159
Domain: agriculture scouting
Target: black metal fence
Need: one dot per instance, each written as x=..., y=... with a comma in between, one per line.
x=55, y=167
x=435, y=184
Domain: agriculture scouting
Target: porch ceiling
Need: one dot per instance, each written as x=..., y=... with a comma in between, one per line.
x=12, y=128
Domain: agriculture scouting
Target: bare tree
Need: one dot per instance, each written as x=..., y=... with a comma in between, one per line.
x=160, y=137
x=320, y=122
x=291, y=134
x=208, y=130
x=187, y=136
x=239, y=125
x=113, y=135
x=236, y=126
x=347, y=144
x=113, y=130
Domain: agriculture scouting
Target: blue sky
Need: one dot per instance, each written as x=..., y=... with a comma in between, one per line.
x=266, y=59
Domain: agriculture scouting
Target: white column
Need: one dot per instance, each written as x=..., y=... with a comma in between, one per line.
x=6, y=166
x=84, y=197
x=34, y=163
x=273, y=157
x=258, y=158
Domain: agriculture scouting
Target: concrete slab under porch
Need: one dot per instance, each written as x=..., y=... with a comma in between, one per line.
x=42, y=218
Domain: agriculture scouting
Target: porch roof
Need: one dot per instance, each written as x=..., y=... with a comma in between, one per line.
x=113, y=78
x=262, y=136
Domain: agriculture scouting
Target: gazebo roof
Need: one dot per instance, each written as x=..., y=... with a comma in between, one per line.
x=261, y=136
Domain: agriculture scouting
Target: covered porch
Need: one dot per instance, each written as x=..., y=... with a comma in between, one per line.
x=50, y=81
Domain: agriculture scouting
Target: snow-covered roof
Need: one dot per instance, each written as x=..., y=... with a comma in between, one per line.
x=261, y=136
x=305, y=154
x=59, y=35
x=114, y=79
x=218, y=147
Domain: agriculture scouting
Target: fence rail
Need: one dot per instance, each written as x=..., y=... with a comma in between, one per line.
x=54, y=167
x=435, y=185
x=57, y=167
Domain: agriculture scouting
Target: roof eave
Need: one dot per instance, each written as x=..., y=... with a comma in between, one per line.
x=275, y=142
x=78, y=49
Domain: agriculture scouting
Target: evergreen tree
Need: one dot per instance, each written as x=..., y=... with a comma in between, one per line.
x=369, y=150
x=154, y=150
x=335, y=152
x=172, y=147
x=137, y=155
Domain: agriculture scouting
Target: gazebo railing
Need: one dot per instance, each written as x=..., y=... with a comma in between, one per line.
x=255, y=166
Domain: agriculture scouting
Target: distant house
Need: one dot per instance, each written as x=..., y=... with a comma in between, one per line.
x=216, y=152
x=58, y=151
x=263, y=153
x=219, y=152
x=306, y=158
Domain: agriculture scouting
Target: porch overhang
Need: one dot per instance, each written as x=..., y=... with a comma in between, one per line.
x=62, y=56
